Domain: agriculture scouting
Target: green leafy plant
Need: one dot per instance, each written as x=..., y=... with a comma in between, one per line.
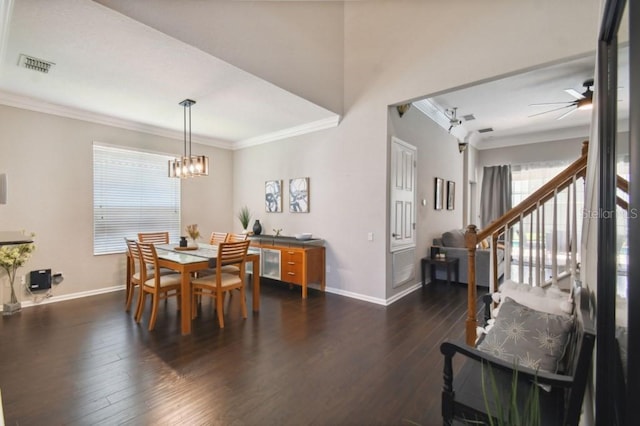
x=11, y=258
x=244, y=216
x=509, y=413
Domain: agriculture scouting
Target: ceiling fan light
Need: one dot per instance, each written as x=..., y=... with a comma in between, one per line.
x=585, y=104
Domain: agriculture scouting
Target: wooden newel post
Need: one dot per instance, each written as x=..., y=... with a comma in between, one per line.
x=471, y=240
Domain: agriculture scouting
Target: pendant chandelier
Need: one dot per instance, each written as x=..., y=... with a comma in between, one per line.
x=188, y=165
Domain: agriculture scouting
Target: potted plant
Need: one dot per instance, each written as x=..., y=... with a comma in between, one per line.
x=193, y=232
x=11, y=258
x=244, y=216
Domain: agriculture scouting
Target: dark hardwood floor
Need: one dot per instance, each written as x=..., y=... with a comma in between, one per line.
x=327, y=360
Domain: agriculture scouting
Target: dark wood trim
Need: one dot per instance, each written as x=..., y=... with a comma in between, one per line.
x=633, y=291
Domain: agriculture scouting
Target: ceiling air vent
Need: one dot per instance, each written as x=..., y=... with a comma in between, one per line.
x=486, y=130
x=35, y=64
x=468, y=117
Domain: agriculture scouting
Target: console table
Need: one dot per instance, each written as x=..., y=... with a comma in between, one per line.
x=448, y=262
x=293, y=261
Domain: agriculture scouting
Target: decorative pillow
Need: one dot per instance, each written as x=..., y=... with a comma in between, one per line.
x=527, y=337
x=551, y=300
x=454, y=238
x=484, y=244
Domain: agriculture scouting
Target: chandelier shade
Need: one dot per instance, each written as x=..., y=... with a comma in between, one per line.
x=188, y=165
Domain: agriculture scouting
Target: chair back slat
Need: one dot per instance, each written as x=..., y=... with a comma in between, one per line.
x=234, y=238
x=232, y=253
x=217, y=238
x=154, y=237
x=134, y=254
x=149, y=259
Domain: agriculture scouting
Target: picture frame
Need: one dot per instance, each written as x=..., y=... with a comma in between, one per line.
x=273, y=196
x=451, y=194
x=438, y=201
x=299, y=195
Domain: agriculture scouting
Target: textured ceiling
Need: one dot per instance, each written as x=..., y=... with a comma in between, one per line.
x=111, y=68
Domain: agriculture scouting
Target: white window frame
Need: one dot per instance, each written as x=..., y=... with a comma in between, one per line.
x=131, y=193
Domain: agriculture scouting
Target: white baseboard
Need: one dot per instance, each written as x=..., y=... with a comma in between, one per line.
x=53, y=299
x=350, y=294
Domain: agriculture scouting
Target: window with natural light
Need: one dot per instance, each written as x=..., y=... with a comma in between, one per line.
x=131, y=194
x=526, y=179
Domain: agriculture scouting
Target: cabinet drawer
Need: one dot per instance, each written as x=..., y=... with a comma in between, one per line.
x=291, y=272
x=292, y=255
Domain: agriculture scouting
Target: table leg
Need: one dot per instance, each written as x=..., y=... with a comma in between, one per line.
x=433, y=272
x=422, y=265
x=457, y=272
x=256, y=283
x=449, y=273
x=185, y=305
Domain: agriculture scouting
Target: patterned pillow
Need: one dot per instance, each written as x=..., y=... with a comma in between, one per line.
x=528, y=337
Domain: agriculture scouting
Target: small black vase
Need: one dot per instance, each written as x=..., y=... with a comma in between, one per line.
x=257, y=228
x=183, y=241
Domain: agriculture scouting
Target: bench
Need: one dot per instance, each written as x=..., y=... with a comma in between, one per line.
x=482, y=386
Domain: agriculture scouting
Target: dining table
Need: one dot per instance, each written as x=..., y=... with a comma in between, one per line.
x=190, y=260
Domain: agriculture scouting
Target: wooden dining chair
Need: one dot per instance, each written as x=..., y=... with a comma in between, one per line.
x=222, y=282
x=152, y=282
x=234, y=238
x=154, y=237
x=133, y=270
x=217, y=238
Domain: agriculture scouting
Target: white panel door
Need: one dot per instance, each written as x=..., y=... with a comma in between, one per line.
x=403, y=195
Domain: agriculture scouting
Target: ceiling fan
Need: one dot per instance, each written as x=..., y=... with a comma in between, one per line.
x=452, y=115
x=583, y=101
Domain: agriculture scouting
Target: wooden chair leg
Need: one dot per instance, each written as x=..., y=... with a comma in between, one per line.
x=194, y=307
x=130, y=291
x=243, y=302
x=219, y=308
x=142, y=298
x=154, y=310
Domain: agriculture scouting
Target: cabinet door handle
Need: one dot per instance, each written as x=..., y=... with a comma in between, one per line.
x=291, y=273
x=291, y=263
x=290, y=252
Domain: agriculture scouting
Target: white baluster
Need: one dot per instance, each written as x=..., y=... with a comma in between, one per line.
x=554, y=241
x=521, y=251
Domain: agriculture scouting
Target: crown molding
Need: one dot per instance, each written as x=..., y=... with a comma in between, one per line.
x=314, y=126
x=537, y=137
x=6, y=10
x=32, y=104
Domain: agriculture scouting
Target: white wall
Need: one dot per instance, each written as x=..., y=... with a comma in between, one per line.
x=392, y=51
x=295, y=45
x=48, y=162
x=396, y=51
x=563, y=150
x=438, y=156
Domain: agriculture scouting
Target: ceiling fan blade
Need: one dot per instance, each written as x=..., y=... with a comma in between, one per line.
x=551, y=110
x=574, y=93
x=571, y=111
x=552, y=103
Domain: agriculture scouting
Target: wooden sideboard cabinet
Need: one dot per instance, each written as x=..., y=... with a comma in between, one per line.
x=300, y=262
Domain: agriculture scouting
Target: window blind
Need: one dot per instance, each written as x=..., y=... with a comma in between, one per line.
x=131, y=194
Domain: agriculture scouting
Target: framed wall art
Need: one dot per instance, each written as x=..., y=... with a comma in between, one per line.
x=273, y=196
x=438, y=194
x=451, y=194
x=299, y=195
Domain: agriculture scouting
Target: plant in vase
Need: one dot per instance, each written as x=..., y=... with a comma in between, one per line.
x=244, y=216
x=194, y=234
x=13, y=257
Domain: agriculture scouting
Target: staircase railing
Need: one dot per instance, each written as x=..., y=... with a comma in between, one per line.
x=532, y=209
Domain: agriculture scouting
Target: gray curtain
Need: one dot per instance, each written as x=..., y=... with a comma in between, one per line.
x=495, y=195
